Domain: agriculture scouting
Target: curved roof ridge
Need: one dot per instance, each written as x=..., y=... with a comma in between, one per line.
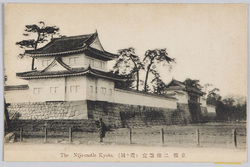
x=75, y=36
x=49, y=65
x=107, y=54
x=54, y=41
x=60, y=62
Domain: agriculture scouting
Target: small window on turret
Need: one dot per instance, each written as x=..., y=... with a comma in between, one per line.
x=53, y=90
x=45, y=63
x=103, y=90
x=74, y=89
x=37, y=91
x=73, y=60
x=103, y=66
x=98, y=64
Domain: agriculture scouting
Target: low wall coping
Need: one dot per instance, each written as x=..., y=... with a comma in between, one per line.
x=146, y=94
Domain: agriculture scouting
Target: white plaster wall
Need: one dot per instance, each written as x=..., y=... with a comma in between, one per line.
x=91, y=88
x=133, y=98
x=203, y=101
x=211, y=109
x=38, y=83
x=100, y=89
x=17, y=96
x=38, y=64
x=55, y=67
x=63, y=86
x=182, y=98
x=88, y=88
x=95, y=63
x=44, y=93
x=73, y=83
x=83, y=61
x=67, y=89
x=48, y=85
x=80, y=59
x=103, y=95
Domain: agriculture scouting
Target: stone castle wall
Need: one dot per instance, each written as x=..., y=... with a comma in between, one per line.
x=85, y=125
x=62, y=115
x=124, y=115
x=184, y=113
x=206, y=116
x=48, y=110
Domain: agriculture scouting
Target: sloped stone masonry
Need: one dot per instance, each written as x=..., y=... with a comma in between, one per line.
x=123, y=115
x=48, y=110
x=59, y=116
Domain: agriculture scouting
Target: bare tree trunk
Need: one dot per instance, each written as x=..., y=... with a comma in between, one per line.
x=146, y=78
x=137, y=73
x=137, y=81
x=33, y=59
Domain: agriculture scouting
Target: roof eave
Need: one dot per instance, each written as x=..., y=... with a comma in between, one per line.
x=56, y=54
x=20, y=75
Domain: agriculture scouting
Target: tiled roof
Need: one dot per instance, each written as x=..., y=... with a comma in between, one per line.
x=73, y=72
x=69, y=45
x=59, y=60
x=15, y=87
x=177, y=85
x=95, y=53
x=63, y=44
x=193, y=89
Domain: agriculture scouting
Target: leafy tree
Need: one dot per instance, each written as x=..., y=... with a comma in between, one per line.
x=229, y=108
x=228, y=101
x=128, y=84
x=241, y=111
x=42, y=33
x=221, y=111
x=158, y=85
x=226, y=109
x=193, y=83
x=128, y=63
x=213, y=97
x=151, y=59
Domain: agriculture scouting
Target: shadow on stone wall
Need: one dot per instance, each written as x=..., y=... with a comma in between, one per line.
x=123, y=115
x=89, y=125
x=114, y=115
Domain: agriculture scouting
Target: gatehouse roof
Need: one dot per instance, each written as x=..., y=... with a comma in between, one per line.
x=178, y=85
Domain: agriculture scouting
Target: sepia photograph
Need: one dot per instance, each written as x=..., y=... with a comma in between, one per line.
x=125, y=82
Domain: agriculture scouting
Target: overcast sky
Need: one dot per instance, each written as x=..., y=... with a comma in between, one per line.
x=208, y=41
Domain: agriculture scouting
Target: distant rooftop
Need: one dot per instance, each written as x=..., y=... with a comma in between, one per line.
x=178, y=85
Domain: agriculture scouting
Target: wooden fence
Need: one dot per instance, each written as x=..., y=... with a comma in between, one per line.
x=129, y=135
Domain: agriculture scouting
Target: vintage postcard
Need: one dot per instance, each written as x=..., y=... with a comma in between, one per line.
x=125, y=82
